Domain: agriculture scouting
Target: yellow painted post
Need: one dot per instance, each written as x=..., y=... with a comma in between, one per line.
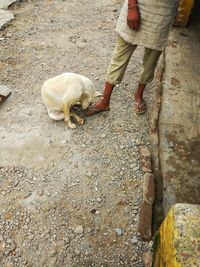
x=177, y=242
x=184, y=11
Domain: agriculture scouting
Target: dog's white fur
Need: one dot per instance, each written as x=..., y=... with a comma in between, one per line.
x=60, y=93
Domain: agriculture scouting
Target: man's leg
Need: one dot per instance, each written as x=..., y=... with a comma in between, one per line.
x=149, y=64
x=116, y=70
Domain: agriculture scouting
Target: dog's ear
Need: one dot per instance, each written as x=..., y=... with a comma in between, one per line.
x=97, y=93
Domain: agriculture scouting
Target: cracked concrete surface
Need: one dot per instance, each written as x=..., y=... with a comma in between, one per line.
x=180, y=117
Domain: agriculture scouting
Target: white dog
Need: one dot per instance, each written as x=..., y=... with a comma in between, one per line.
x=63, y=91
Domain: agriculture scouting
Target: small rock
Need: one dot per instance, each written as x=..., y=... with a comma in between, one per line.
x=52, y=252
x=89, y=174
x=119, y=231
x=28, y=220
x=40, y=192
x=47, y=236
x=99, y=200
x=81, y=45
x=79, y=230
x=93, y=211
x=138, y=142
x=9, y=241
x=67, y=240
x=133, y=165
x=136, y=168
x=12, y=247
x=89, y=230
x=134, y=240
x=31, y=237
x=103, y=135
x=77, y=251
x=16, y=182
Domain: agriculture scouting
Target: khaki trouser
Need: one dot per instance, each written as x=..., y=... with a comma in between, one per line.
x=122, y=54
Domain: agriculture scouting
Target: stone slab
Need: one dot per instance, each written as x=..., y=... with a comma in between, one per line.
x=6, y=3
x=4, y=92
x=5, y=16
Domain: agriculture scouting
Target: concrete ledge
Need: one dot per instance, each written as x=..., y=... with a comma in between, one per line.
x=178, y=241
x=184, y=11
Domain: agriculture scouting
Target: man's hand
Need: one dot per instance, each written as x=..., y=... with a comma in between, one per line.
x=133, y=18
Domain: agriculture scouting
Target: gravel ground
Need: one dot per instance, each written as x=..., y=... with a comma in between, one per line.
x=68, y=197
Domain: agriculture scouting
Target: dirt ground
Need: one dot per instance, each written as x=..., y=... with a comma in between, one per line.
x=68, y=198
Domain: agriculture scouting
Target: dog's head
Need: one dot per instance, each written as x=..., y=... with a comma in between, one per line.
x=90, y=94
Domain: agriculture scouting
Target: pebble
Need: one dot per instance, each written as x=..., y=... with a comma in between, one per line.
x=77, y=252
x=12, y=247
x=89, y=230
x=89, y=174
x=138, y=142
x=119, y=231
x=52, y=252
x=81, y=45
x=16, y=182
x=99, y=200
x=67, y=240
x=136, y=168
x=79, y=230
x=31, y=237
x=28, y=220
x=40, y=192
x=133, y=165
x=9, y=241
x=47, y=236
x=134, y=240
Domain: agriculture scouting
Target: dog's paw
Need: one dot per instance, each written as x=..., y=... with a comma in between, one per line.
x=72, y=125
x=81, y=121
